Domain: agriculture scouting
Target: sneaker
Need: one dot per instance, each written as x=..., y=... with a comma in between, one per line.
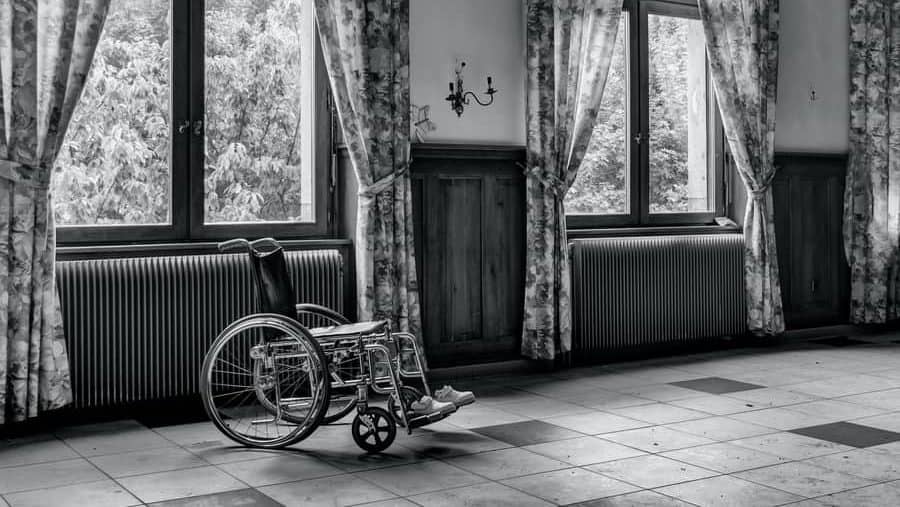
x=449, y=395
x=428, y=405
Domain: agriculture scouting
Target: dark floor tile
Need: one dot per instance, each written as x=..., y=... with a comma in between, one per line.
x=716, y=385
x=527, y=432
x=241, y=498
x=840, y=341
x=846, y=433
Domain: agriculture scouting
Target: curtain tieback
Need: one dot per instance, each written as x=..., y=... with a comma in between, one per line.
x=759, y=193
x=21, y=174
x=370, y=191
x=550, y=182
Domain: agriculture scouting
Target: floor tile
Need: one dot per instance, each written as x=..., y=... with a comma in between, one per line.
x=238, y=498
x=715, y=404
x=803, y=479
x=474, y=416
x=721, y=428
x=407, y=480
x=716, y=385
x=31, y=450
x=638, y=499
x=597, y=422
x=656, y=439
x=147, y=461
x=187, y=434
x=836, y=410
x=661, y=392
x=445, y=444
x=605, y=400
x=339, y=491
x=584, y=451
x=791, y=445
x=879, y=495
x=218, y=452
x=724, y=457
x=780, y=418
x=507, y=463
x=493, y=494
x=104, y=493
x=874, y=464
x=888, y=399
x=838, y=386
x=651, y=471
x=180, y=484
x=527, y=433
x=771, y=397
x=286, y=468
x=659, y=413
x=570, y=486
x=111, y=438
x=839, y=341
x=845, y=433
x=392, y=502
x=889, y=422
x=725, y=490
x=48, y=475
x=544, y=408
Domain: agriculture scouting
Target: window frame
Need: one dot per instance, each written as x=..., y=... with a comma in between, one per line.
x=638, y=120
x=186, y=156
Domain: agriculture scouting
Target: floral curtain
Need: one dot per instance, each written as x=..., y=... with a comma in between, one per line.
x=872, y=196
x=569, y=49
x=742, y=44
x=46, y=48
x=366, y=44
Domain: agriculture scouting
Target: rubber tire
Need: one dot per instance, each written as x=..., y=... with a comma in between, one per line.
x=300, y=432
x=380, y=444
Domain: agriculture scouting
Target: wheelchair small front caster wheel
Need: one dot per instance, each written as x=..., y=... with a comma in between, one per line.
x=374, y=430
x=408, y=395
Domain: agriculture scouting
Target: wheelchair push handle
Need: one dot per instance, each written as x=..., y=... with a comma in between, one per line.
x=243, y=244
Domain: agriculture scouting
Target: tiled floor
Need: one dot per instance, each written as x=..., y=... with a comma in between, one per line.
x=809, y=424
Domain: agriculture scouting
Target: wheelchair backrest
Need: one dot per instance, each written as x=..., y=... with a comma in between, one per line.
x=273, y=282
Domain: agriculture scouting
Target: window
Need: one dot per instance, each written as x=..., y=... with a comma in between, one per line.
x=198, y=120
x=654, y=156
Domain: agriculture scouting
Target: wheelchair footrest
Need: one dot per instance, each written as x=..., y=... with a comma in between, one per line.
x=426, y=419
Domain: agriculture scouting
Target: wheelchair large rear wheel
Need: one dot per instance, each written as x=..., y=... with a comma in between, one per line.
x=264, y=382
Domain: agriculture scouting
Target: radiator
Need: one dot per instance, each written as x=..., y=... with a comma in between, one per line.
x=634, y=292
x=138, y=329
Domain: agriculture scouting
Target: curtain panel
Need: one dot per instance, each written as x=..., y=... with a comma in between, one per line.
x=46, y=48
x=366, y=45
x=872, y=195
x=569, y=46
x=742, y=45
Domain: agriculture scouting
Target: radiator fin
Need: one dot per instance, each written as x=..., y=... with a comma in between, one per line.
x=632, y=292
x=138, y=329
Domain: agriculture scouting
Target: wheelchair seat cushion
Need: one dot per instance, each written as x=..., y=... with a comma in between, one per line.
x=347, y=330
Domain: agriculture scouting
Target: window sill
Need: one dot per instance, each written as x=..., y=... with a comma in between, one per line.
x=680, y=230
x=84, y=252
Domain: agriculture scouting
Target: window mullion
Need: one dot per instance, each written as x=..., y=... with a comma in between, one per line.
x=197, y=104
x=181, y=116
x=640, y=187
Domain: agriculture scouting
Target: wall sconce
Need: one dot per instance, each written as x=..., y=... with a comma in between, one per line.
x=459, y=99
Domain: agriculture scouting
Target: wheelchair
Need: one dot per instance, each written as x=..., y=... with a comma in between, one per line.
x=271, y=378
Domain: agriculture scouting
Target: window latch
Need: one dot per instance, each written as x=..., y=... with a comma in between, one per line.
x=182, y=128
x=638, y=138
x=198, y=127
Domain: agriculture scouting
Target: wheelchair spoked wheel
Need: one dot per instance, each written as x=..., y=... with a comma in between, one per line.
x=343, y=367
x=264, y=382
x=374, y=429
x=407, y=396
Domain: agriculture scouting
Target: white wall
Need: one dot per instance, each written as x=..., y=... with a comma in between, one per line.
x=813, y=55
x=489, y=35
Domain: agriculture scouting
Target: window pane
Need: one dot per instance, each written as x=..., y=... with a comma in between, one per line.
x=678, y=115
x=601, y=187
x=258, y=111
x=113, y=167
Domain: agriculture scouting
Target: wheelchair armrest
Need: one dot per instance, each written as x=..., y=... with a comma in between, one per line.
x=322, y=311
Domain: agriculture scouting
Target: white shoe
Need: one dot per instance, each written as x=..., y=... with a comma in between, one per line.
x=428, y=405
x=447, y=394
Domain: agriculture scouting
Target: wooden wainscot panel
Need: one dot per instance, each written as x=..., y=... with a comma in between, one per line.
x=815, y=279
x=469, y=209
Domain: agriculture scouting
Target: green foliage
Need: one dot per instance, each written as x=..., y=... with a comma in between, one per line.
x=114, y=167
x=602, y=184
